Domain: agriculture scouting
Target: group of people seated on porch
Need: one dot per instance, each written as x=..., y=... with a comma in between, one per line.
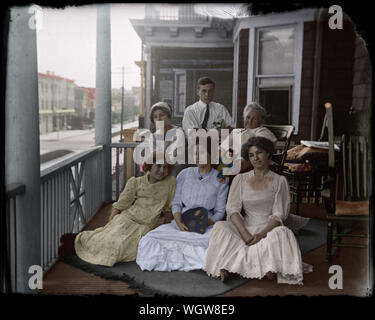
x=199, y=220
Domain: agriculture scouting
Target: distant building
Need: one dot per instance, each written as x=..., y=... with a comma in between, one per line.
x=84, y=107
x=136, y=92
x=62, y=102
x=56, y=101
x=90, y=107
x=131, y=98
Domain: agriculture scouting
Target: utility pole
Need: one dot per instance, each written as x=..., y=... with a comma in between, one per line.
x=141, y=64
x=122, y=105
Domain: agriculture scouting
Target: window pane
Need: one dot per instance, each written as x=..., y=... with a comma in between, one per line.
x=166, y=86
x=276, y=51
x=275, y=82
x=181, y=89
x=276, y=103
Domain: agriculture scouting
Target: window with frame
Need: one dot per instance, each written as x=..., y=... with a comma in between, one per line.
x=166, y=80
x=180, y=92
x=172, y=89
x=275, y=72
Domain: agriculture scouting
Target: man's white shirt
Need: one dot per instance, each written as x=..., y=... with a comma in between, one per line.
x=194, y=116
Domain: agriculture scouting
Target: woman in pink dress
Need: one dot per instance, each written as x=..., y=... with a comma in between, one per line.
x=256, y=244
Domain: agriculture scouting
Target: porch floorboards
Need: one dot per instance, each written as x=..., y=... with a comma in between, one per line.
x=63, y=279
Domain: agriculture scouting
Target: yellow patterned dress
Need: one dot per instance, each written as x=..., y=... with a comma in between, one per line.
x=141, y=204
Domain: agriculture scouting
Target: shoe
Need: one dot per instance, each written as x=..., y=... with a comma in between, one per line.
x=271, y=276
x=224, y=275
x=68, y=237
x=67, y=244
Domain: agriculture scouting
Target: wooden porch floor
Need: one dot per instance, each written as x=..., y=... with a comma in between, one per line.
x=63, y=279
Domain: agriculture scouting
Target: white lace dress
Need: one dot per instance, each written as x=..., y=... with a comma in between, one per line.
x=278, y=252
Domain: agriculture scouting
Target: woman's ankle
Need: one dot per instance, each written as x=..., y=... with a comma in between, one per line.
x=224, y=275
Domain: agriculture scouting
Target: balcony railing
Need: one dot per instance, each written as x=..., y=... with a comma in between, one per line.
x=124, y=166
x=181, y=13
x=71, y=193
x=9, y=238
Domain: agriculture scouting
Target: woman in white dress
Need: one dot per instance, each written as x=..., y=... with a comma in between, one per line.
x=170, y=246
x=257, y=244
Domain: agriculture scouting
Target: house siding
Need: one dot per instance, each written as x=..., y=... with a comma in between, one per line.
x=336, y=73
x=361, y=77
x=307, y=82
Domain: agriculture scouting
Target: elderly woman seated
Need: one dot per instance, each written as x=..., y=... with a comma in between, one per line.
x=257, y=244
x=254, y=117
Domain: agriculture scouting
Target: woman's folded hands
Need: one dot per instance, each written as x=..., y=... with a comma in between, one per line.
x=255, y=239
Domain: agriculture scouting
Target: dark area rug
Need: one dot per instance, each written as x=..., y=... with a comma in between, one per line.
x=312, y=236
x=189, y=284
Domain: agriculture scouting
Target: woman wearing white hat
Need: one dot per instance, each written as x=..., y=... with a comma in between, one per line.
x=170, y=133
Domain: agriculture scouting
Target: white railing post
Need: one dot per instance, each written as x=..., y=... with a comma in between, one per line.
x=22, y=162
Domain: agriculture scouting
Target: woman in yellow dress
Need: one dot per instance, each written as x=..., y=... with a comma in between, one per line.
x=134, y=214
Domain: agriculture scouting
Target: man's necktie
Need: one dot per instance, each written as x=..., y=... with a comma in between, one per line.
x=206, y=116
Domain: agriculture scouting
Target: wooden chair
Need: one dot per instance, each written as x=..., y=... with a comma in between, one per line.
x=355, y=170
x=283, y=133
x=308, y=182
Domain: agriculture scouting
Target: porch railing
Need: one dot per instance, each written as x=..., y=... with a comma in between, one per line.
x=71, y=193
x=173, y=12
x=8, y=238
x=123, y=167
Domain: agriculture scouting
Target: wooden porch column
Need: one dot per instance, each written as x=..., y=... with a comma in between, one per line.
x=22, y=161
x=103, y=93
x=148, y=86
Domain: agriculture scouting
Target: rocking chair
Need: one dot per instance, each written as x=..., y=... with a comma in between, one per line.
x=355, y=170
x=306, y=179
x=283, y=133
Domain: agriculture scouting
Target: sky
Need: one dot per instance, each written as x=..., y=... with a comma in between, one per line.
x=66, y=43
x=66, y=40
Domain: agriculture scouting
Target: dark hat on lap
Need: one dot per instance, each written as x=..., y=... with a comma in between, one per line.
x=196, y=219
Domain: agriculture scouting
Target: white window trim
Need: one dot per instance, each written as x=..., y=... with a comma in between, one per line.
x=178, y=72
x=272, y=20
x=297, y=81
x=253, y=51
x=251, y=67
x=235, y=80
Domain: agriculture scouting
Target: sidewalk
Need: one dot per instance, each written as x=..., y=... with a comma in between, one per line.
x=66, y=134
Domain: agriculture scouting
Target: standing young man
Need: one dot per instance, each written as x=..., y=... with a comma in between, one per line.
x=206, y=113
